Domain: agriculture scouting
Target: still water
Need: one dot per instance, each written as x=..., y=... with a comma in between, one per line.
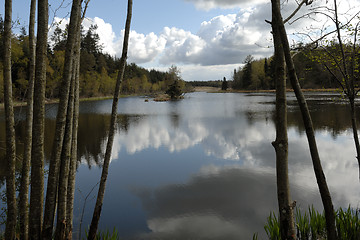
x=203, y=167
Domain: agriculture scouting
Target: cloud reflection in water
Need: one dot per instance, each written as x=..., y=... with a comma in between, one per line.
x=234, y=190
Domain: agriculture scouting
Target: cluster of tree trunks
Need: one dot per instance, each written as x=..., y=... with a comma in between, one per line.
x=38, y=221
x=286, y=216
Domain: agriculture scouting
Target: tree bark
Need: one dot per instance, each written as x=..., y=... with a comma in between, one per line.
x=25, y=172
x=286, y=213
x=60, y=122
x=73, y=159
x=64, y=168
x=10, y=128
x=354, y=127
x=320, y=177
x=37, y=156
x=104, y=174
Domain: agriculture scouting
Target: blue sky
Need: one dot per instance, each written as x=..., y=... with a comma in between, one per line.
x=206, y=39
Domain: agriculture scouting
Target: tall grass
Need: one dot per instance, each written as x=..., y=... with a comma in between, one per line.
x=106, y=235
x=311, y=224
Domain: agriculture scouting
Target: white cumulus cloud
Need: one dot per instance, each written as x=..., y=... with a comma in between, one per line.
x=210, y=4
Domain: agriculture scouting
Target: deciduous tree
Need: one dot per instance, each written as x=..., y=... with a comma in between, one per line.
x=286, y=213
x=10, y=127
x=58, y=146
x=104, y=174
x=25, y=172
x=320, y=176
x=37, y=156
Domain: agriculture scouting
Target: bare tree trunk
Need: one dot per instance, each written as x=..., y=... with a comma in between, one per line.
x=65, y=167
x=25, y=181
x=320, y=177
x=354, y=127
x=10, y=128
x=286, y=213
x=60, y=122
x=349, y=80
x=37, y=156
x=101, y=192
x=73, y=160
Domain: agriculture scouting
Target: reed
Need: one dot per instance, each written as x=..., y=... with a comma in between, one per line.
x=106, y=235
x=311, y=224
x=272, y=227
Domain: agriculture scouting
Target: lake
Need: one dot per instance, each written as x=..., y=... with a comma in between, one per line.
x=203, y=167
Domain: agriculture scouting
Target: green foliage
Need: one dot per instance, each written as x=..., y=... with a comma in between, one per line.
x=312, y=224
x=254, y=75
x=247, y=72
x=210, y=83
x=174, y=90
x=310, y=67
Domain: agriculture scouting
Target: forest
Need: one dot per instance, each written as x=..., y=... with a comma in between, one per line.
x=98, y=70
x=259, y=74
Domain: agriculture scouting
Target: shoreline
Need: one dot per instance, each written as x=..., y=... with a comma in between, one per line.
x=218, y=90
x=196, y=89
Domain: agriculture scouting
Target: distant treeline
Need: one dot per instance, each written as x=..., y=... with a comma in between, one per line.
x=98, y=70
x=210, y=83
x=259, y=74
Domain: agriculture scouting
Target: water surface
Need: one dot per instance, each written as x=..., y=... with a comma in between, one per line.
x=204, y=167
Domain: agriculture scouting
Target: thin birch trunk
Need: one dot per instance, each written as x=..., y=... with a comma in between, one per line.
x=104, y=174
x=37, y=155
x=25, y=181
x=320, y=176
x=73, y=161
x=64, y=168
x=53, y=178
x=10, y=128
x=286, y=213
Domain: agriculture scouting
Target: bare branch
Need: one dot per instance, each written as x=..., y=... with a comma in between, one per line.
x=54, y=11
x=296, y=10
x=85, y=9
x=336, y=78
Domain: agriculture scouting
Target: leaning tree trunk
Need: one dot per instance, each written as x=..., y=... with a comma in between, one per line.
x=10, y=128
x=320, y=176
x=349, y=79
x=37, y=156
x=53, y=178
x=25, y=181
x=101, y=192
x=286, y=213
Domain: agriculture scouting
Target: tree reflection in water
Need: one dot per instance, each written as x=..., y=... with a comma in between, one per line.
x=203, y=167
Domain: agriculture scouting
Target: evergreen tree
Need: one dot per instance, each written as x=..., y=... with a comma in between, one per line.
x=224, y=85
x=247, y=72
